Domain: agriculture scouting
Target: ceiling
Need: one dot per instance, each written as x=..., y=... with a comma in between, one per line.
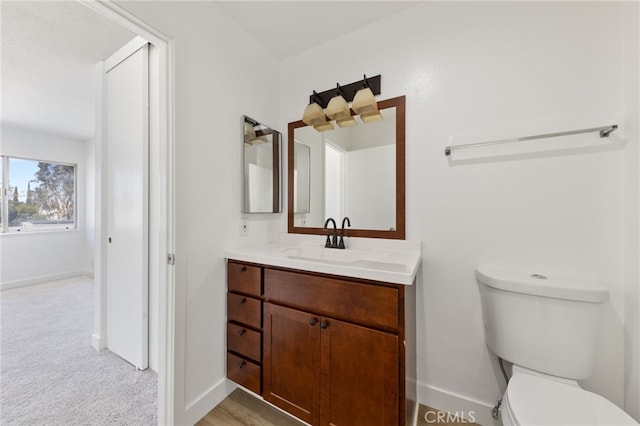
x=287, y=28
x=49, y=50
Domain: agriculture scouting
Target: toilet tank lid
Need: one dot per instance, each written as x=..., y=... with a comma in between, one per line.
x=537, y=284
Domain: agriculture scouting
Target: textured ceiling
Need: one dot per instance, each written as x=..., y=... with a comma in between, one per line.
x=48, y=51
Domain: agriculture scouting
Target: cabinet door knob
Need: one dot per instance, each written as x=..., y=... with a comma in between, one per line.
x=242, y=364
x=324, y=325
x=313, y=321
x=242, y=301
x=242, y=269
x=241, y=332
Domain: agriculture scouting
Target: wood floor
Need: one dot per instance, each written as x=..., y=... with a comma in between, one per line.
x=242, y=409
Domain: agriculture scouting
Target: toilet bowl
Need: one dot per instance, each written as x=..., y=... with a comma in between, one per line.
x=535, y=400
x=547, y=328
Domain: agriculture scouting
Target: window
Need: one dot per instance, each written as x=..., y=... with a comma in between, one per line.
x=37, y=195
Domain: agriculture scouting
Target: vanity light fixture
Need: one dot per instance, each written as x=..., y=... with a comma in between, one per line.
x=371, y=117
x=365, y=105
x=313, y=113
x=336, y=101
x=347, y=122
x=338, y=109
x=249, y=131
x=254, y=132
x=324, y=126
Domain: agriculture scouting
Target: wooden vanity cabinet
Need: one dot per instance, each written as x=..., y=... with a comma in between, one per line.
x=244, y=325
x=333, y=350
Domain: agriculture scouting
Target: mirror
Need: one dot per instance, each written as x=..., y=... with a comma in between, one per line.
x=261, y=171
x=301, y=177
x=356, y=172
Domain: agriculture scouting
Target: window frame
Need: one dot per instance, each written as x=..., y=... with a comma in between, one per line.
x=4, y=226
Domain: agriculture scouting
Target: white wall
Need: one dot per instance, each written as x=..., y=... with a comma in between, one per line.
x=470, y=71
x=216, y=82
x=314, y=140
x=632, y=210
x=371, y=187
x=35, y=257
x=480, y=71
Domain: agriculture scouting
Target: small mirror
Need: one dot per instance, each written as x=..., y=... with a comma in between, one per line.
x=356, y=172
x=261, y=159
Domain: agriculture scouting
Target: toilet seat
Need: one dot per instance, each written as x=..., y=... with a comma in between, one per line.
x=531, y=400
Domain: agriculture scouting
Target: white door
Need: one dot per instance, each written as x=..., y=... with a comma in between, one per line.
x=127, y=148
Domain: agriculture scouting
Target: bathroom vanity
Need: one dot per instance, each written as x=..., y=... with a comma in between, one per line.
x=326, y=334
x=327, y=348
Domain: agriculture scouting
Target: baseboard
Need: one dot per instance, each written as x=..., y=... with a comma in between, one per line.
x=470, y=409
x=412, y=414
x=197, y=409
x=45, y=278
x=98, y=342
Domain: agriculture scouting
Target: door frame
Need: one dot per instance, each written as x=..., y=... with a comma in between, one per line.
x=164, y=216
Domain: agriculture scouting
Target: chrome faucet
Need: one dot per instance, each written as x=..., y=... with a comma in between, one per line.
x=341, y=243
x=332, y=243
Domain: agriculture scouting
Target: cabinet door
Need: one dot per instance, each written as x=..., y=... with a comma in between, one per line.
x=359, y=376
x=291, y=361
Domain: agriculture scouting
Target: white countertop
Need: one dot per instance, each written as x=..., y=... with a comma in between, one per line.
x=393, y=261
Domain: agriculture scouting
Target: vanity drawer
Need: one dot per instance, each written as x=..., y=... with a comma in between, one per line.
x=244, y=278
x=244, y=309
x=244, y=372
x=356, y=302
x=244, y=341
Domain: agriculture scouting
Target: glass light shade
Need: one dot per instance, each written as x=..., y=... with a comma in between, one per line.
x=371, y=117
x=259, y=140
x=324, y=126
x=364, y=102
x=347, y=122
x=249, y=132
x=338, y=108
x=313, y=115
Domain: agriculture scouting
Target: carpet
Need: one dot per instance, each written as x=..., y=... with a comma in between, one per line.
x=50, y=374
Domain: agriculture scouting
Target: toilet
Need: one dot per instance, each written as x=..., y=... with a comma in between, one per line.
x=547, y=328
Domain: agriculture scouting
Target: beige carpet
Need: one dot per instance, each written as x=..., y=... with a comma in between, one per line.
x=50, y=375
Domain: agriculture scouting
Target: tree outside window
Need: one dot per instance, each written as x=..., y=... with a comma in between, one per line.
x=41, y=195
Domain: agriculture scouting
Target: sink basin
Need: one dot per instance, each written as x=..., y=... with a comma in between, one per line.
x=381, y=260
x=321, y=254
x=353, y=258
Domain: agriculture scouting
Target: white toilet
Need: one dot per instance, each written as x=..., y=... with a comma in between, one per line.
x=547, y=327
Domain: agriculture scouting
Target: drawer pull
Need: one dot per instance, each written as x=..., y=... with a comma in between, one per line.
x=242, y=301
x=242, y=269
x=313, y=321
x=241, y=332
x=324, y=325
x=242, y=364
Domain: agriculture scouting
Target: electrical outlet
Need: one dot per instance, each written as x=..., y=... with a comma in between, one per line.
x=244, y=228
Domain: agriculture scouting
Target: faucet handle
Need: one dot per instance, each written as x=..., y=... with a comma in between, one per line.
x=341, y=243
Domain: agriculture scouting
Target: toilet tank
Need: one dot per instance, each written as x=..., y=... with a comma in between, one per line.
x=545, y=323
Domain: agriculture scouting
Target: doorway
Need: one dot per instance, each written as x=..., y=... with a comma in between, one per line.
x=161, y=207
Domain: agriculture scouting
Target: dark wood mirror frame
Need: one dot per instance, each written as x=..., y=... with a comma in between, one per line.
x=399, y=232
